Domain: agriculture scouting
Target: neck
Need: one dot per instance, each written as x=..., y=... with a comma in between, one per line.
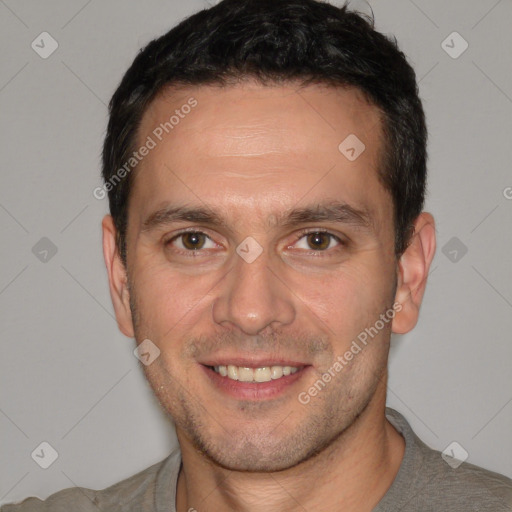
x=353, y=473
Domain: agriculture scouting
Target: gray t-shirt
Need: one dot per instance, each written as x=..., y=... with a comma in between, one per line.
x=424, y=482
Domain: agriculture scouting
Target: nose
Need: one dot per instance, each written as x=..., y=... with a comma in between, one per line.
x=252, y=297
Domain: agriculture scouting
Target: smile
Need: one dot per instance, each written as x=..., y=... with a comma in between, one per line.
x=261, y=374
x=243, y=381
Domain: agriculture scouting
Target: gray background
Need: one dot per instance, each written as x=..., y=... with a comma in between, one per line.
x=68, y=377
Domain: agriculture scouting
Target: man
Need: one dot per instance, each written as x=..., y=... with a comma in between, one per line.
x=266, y=163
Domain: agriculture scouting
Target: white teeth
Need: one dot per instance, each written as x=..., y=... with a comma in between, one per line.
x=245, y=374
x=232, y=372
x=262, y=374
x=276, y=372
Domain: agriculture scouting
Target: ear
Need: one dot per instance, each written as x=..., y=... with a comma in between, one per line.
x=117, y=278
x=413, y=268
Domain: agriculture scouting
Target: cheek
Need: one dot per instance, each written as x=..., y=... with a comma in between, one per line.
x=347, y=300
x=169, y=302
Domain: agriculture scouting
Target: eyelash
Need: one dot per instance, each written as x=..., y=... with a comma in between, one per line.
x=309, y=231
x=301, y=234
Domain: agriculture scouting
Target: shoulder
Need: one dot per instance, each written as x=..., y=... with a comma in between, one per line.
x=474, y=486
x=136, y=493
x=428, y=479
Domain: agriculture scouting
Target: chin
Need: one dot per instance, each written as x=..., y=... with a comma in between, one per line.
x=259, y=453
x=254, y=462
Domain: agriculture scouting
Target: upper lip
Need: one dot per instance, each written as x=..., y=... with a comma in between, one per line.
x=252, y=362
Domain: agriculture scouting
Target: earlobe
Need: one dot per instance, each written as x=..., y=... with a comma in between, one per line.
x=413, y=268
x=117, y=278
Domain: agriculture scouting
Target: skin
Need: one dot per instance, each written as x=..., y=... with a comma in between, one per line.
x=252, y=152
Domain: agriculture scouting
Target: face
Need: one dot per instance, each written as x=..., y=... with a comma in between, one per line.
x=254, y=244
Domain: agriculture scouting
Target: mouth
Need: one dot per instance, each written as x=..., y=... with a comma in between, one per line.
x=260, y=374
x=248, y=382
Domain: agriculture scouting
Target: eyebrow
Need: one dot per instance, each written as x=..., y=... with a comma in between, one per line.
x=333, y=211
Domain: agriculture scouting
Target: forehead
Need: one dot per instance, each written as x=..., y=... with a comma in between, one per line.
x=256, y=148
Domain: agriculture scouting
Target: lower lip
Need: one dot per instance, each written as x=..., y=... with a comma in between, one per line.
x=253, y=390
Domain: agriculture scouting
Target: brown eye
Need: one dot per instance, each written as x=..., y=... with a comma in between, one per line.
x=319, y=241
x=193, y=240
x=190, y=241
